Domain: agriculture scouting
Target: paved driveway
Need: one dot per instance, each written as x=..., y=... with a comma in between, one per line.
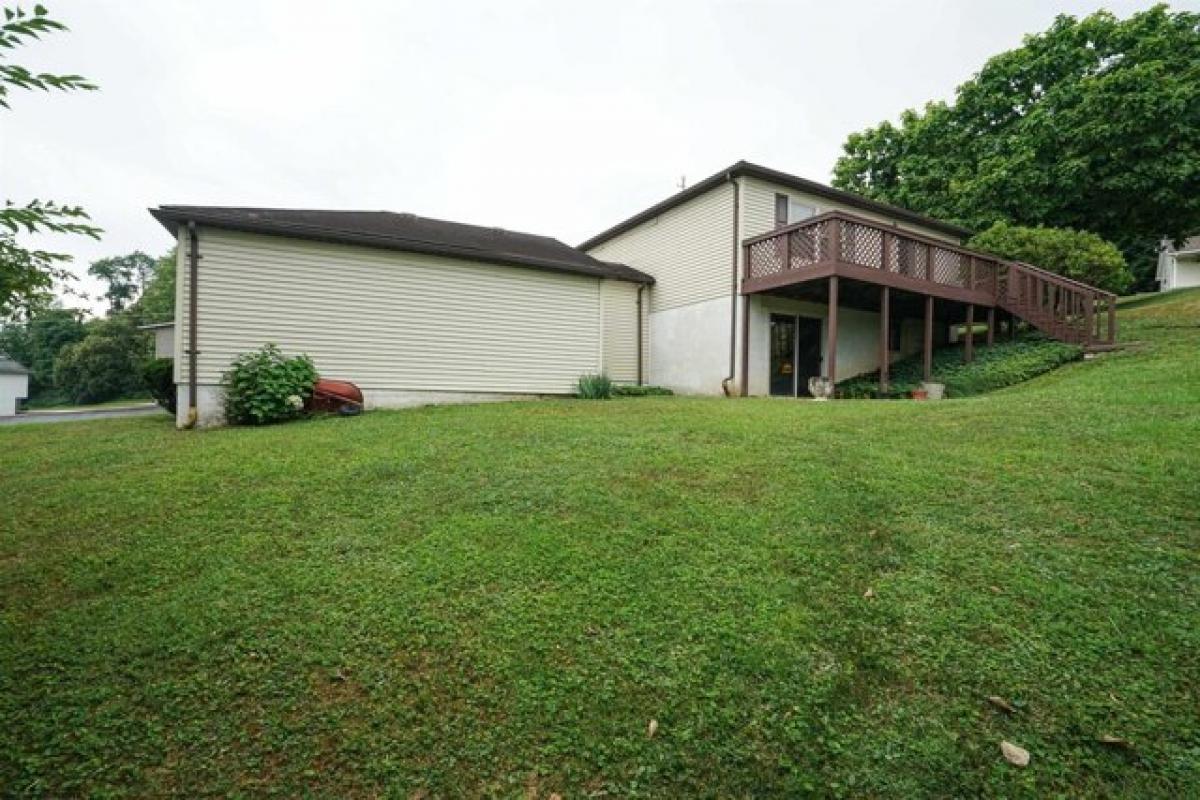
x=75, y=416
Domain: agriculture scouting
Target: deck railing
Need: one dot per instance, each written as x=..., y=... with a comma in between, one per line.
x=1063, y=308
x=837, y=242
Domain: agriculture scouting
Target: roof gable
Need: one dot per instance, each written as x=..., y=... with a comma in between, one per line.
x=745, y=168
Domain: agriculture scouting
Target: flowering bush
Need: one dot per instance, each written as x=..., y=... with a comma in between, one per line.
x=266, y=386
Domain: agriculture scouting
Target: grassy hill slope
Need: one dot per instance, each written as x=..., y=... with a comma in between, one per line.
x=497, y=600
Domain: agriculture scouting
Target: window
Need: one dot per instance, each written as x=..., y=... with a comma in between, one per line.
x=799, y=211
x=789, y=210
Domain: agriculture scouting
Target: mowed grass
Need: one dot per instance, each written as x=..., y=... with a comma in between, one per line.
x=497, y=600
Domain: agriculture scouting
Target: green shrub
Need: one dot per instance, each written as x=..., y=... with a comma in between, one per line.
x=266, y=386
x=641, y=391
x=105, y=364
x=595, y=387
x=1002, y=364
x=159, y=375
x=1080, y=255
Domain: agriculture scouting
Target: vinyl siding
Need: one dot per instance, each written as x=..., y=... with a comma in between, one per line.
x=758, y=210
x=389, y=320
x=618, y=301
x=687, y=249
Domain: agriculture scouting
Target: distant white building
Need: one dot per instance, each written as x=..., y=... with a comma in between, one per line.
x=164, y=338
x=1179, y=268
x=14, y=385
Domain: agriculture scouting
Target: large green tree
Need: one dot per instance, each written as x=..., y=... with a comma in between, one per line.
x=27, y=276
x=126, y=277
x=1092, y=125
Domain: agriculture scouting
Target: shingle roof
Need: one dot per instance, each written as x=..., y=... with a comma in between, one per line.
x=784, y=179
x=10, y=367
x=406, y=232
x=1191, y=244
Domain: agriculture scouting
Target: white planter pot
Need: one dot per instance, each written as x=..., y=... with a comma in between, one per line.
x=820, y=388
x=935, y=391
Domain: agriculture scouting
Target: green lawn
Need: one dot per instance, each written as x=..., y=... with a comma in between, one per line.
x=496, y=600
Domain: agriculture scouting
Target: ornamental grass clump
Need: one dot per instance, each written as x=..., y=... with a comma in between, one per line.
x=595, y=387
x=265, y=386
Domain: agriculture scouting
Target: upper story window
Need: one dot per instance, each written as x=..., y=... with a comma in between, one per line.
x=789, y=210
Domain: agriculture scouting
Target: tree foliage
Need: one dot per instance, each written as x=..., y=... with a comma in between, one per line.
x=106, y=364
x=157, y=302
x=1081, y=255
x=127, y=276
x=37, y=342
x=1092, y=125
x=27, y=276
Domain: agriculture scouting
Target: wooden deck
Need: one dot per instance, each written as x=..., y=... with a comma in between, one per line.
x=838, y=246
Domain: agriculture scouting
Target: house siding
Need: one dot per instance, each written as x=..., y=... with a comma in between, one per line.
x=687, y=249
x=392, y=321
x=619, y=309
x=758, y=210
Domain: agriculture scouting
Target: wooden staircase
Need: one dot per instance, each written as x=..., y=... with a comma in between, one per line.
x=1064, y=309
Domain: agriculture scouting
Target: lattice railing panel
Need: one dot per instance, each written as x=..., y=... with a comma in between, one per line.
x=950, y=268
x=795, y=249
x=861, y=245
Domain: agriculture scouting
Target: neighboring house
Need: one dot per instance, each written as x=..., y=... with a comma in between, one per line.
x=164, y=338
x=14, y=385
x=413, y=310
x=1179, y=267
x=749, y=282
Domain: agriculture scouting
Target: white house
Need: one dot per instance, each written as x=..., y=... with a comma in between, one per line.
x=1179, y=267
x=14, y=385
x=164, y=338
x=413, y=310
x=752, y=281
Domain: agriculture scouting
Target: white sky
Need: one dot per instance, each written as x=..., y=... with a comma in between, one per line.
x=559, y=118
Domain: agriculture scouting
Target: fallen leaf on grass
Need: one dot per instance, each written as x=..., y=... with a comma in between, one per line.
x=1013, y=754
x=1001, y=703
x=652, y=728
x=869, y=593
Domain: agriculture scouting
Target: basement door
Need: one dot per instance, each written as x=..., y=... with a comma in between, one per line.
x=795, y=354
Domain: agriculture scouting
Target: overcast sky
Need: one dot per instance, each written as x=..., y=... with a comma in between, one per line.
x=559, y=118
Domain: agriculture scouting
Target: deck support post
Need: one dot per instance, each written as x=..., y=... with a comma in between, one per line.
x=884, y=328
x=991, y=323
x=969, y=339
x=927, y=349
x=831, y=344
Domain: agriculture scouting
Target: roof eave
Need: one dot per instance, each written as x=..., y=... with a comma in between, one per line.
x=171, y=219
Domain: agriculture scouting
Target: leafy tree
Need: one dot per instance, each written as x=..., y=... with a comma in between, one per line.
x=157, y=303
x=126, y=276
x=1092, y=125
x=37, y=342
x=27, y=276
x=106, y=364
x=1080, y=255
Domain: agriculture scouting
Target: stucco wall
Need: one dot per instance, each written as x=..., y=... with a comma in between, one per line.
x=689, y=347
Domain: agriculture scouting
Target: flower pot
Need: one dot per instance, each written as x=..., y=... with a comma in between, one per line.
x=820, y=388
x=934, y=391
x=919, y=394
